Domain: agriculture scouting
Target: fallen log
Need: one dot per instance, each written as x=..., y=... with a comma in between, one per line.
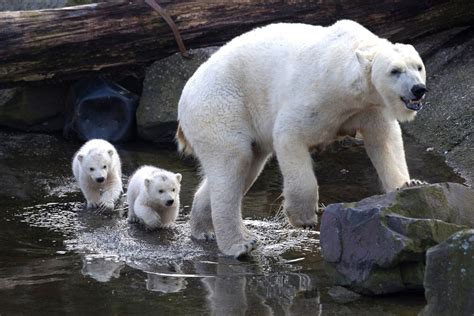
x=57, y=44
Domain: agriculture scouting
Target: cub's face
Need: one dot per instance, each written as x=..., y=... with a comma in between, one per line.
x=399, y=77
x=164, y=188
x=96, y=165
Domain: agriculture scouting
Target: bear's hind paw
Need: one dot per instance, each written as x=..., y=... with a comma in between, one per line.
x=241, y=249
x=206, y=236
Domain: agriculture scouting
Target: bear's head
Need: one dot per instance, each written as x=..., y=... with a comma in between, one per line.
x=163, y=188
x=97, y=164
x=398, y=75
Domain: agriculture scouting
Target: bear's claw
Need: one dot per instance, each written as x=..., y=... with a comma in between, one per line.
x=412, y=183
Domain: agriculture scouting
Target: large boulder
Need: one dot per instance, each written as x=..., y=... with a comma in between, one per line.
x=449, y=276
x=164, y=81
x=378, y=245
x=33, y=109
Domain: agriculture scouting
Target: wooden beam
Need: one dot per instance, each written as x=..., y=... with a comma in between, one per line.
x=57, y=44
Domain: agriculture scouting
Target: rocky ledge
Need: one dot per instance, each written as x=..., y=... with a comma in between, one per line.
x=378, y=245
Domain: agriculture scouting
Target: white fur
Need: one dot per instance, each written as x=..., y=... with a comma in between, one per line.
x=285, y=89
x=148, y=191
x=97, y=154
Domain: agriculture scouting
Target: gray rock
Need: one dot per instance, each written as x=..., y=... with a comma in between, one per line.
x=164, y=81
x=449, y=276
x=342, y=295
x=446, y=123
x=378, y=245
x=33, y=109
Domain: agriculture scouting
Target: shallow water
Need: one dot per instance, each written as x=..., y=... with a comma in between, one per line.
x=56, y=257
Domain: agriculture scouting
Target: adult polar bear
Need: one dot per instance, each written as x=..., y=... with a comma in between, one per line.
x=284, y=89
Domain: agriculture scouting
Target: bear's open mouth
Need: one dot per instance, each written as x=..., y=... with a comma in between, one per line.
x=413, y=104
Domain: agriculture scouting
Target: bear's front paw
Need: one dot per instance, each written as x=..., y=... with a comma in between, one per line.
x=412, y=183
x=306, y=221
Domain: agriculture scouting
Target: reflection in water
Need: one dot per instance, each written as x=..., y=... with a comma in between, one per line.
x=164, y=284
x=163, y=279
x=101, y=269
x=237, y=289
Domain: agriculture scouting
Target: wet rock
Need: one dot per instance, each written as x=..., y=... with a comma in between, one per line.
x=99, y=108
x=378, y=245
x=164, y=81
x=33, y=109
x=342, y=295
x=449, y=276
x=446, y=123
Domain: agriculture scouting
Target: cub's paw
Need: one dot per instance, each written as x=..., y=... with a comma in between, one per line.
x=241, y=248
x=106, y=206
x=412, y=183
x=92, y=205
x=133, y=219
x=151, y=226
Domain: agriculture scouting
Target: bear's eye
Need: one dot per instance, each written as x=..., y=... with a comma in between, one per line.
x=173, y=190
x=161, y=191
x=396, y=71
x=104, y=167
x=91, y=169
x=420, y=68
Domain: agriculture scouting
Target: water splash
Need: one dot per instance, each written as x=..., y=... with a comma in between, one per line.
x=98, y=236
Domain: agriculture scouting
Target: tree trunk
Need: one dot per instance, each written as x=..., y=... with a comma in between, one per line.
x=57, y=44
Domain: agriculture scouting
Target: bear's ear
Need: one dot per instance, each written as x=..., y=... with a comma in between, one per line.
x=178, y=177
x=147, y=182
x=80, y=157
x=365, y=56
x=110, y=152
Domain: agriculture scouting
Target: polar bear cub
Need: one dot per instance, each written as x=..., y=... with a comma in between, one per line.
x=97, y=169
x=153, y=197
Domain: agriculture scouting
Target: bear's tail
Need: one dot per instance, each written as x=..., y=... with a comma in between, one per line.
x=183, y=145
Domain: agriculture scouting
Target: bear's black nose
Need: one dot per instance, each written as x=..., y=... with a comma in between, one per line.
x=418, y=90
x=100, y=179
x=169, y=202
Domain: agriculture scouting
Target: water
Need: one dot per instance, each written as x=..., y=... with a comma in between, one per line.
x=56, y=257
